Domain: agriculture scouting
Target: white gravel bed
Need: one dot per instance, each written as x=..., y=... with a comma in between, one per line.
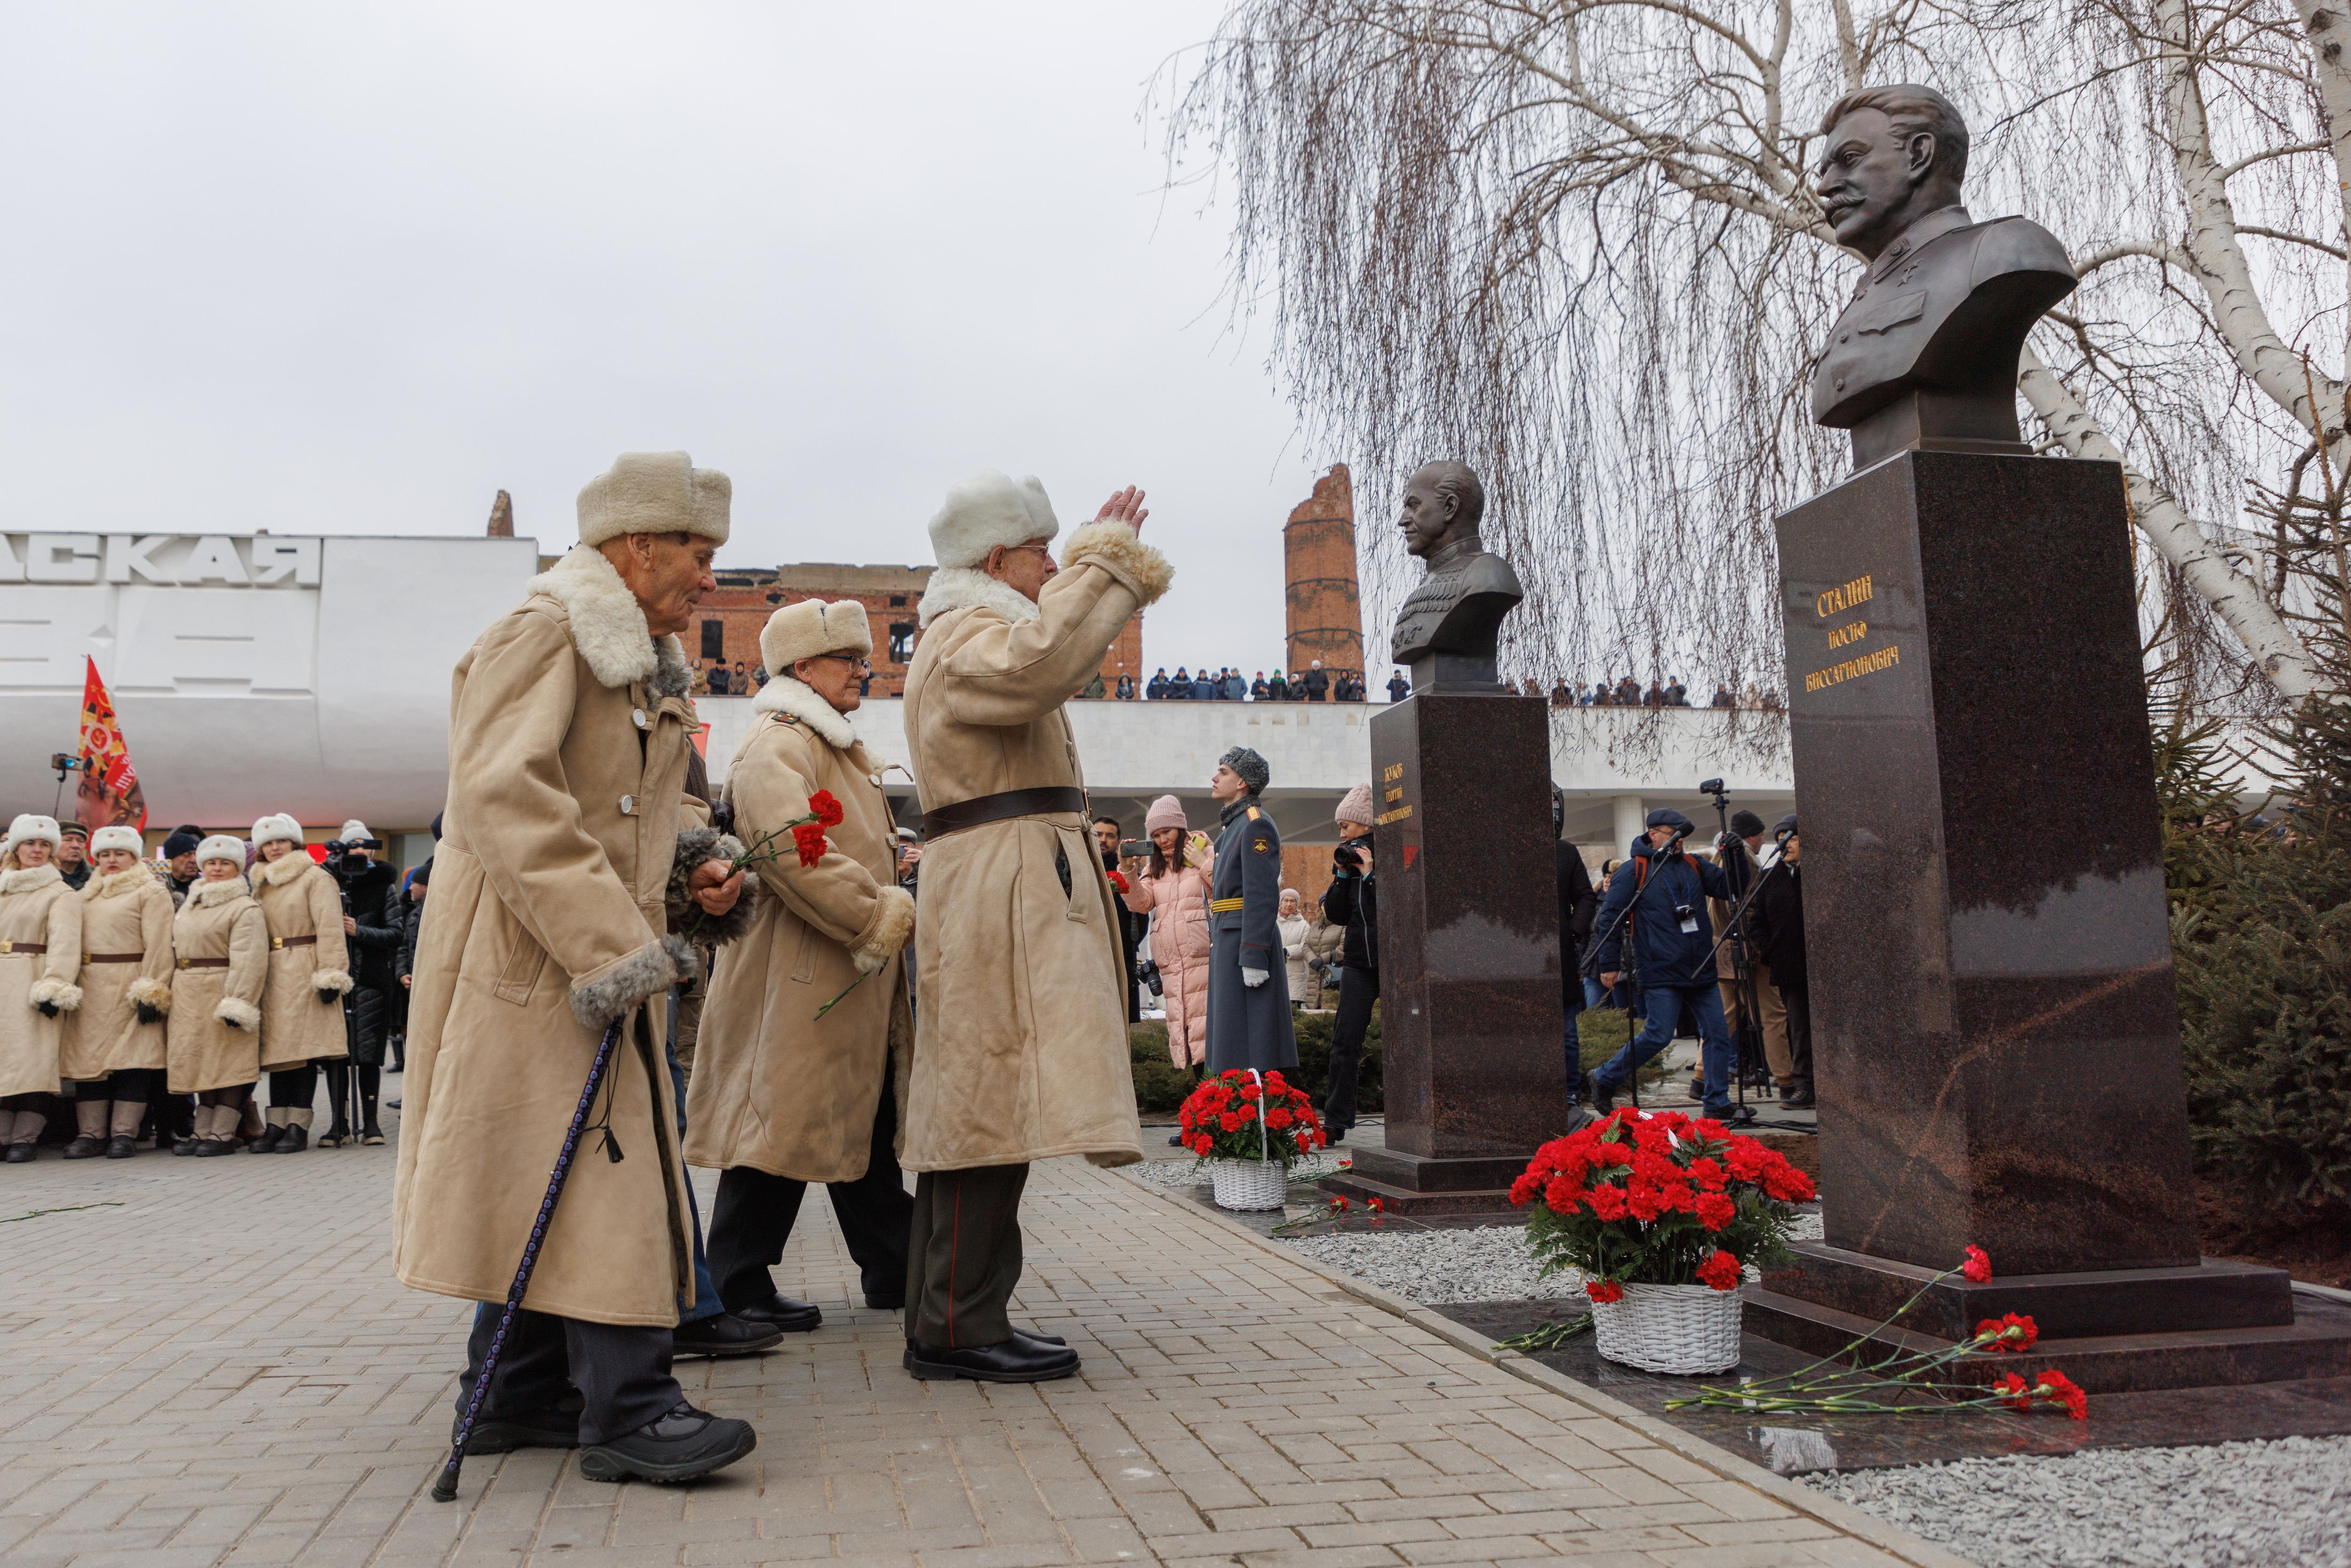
x=1485, y=1265
x=1183, y=1172
x=2286, y=1502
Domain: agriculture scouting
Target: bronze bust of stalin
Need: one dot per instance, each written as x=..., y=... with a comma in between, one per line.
x=1445, y=632
x=1925, y=355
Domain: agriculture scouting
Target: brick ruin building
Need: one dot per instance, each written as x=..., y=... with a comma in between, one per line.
x=729, y=621
x=1319, y=591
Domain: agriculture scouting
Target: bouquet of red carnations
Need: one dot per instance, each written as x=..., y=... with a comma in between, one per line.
x=1662, y=1199
x=1240, y=1115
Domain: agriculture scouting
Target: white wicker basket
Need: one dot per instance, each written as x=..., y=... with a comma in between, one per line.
x=1669, y=1328
x=1248, y=1184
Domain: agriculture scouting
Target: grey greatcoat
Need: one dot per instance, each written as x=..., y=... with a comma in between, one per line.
x=1249, y=1026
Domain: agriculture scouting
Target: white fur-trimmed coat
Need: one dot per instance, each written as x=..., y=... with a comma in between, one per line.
x=775, y=1087
x=568, y=733
x=123, y=912
x=38, y=910
x=298, y=898
x=214, y=1029
x=1021, y=1050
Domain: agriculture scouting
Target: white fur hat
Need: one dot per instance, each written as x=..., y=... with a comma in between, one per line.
x=221, y=847
x=655, y=493
x=277, y=826
x=803, y=631
x=31, y=825
x=352, y=831
x=986, y=510
x=117, y=838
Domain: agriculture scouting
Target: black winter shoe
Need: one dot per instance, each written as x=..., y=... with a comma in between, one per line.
x=682, y=1445
x=336, y=1136
x=1802, y=1098
x=725, y=1335
x=781, y=1313
x=292, y=1140
x=184, y=1145
x=555, y=1427
x=1014, y=1360
x=1052, y=1339
x=267, y=1143
x=85, y=1148
x=121, y=1146
x=213, y=1148
x=1604, y=1099
x=21, y=1153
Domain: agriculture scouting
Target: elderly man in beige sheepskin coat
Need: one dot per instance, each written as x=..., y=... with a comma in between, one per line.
x=1020, y=1040
x=569, y=857
x=781, y=1095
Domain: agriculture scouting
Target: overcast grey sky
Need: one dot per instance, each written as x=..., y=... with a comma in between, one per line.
x=343, y=269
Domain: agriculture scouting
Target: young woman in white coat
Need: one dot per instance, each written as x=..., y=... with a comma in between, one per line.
x=114, y=1047
x=40, y=960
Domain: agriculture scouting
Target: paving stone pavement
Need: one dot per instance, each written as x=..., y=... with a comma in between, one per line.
x=223, y=1371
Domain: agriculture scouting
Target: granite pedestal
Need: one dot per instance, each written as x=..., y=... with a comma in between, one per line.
x=1473, y=1065
x=1996, y=1041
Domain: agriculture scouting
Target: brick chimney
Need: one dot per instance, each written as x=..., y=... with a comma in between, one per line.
x=502, y=516
x=1317, y=547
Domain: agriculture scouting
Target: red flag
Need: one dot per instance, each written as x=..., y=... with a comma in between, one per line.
x=107, y=792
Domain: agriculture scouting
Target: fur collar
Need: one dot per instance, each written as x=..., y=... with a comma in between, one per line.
x=796, y=699
x=284, y=868
x=106, y=883
x=209, y=893
x=607, y=627
x=30, y=879
x=954, y=588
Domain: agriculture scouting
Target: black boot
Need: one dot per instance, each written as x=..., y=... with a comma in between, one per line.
x=339, y=1094
x=682, y=1445
x=370, y=1083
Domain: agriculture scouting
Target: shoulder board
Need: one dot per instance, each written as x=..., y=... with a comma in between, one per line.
x=1254, y=813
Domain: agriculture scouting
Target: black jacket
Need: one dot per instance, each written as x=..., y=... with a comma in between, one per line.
x=1777, y=922
x=412, y=917
x=1577, y=904
x=1316, y=682
x=371, y=897
x=1352, y=901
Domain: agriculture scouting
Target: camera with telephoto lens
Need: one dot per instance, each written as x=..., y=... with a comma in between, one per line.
x=1346, y=857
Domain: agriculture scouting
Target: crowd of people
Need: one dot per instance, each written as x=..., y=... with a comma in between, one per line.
x=1628, y=692
x=152, y=997
x=1224, y=684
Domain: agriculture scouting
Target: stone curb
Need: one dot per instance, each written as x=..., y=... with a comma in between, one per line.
x=1844, y=1516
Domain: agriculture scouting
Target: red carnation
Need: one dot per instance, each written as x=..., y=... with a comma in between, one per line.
x=1338, y=1205
x=1562, y=1195
x=1786, y=1183
x=1720, y=1271
x=1522, y=1191
x=1203, y=1143
x=2008, y=1331
x=1607, y=1202
x=2014, y=1392
x=1747, y=1159
x=1710, y=1175
x=1376, y=1206
x=1117, y=880
x=1715, y=1211
x=1977, y=1268
x=809, y=839
x=1277, y=1118
x=1229, y=1122
x=2059, y=1389
x=1604, y=1290
x=825, y=809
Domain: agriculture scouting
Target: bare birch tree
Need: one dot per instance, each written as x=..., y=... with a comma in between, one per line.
x=1575, y=241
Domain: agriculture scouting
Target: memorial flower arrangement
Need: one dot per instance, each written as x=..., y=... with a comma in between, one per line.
x=1241, y=1115
x=1662, y=1199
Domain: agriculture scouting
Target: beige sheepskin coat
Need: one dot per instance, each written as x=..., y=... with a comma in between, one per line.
x=299, y=898
x=36, y=910
x=214, y=1031
x=775, y=1087
x=123, y=912
x=569, y=732
x=1020, y=1048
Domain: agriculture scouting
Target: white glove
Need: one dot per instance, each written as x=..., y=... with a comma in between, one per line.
x=1253, y=978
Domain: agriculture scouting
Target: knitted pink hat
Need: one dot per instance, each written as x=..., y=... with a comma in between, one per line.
x=1168, y=812
x=1356, y=808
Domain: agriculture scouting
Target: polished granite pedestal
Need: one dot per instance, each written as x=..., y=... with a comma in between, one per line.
x=1472, y=1029
x=1996, y=1040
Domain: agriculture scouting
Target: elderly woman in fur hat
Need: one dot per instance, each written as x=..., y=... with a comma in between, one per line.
x=40, y=961
x=221, y=945
x=114, y=1041
x=571, y=861
x=309, y=970
x=781, y=1096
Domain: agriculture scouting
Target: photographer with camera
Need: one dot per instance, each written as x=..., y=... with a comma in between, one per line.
x=1657, y=901
x=1352, y=902
x=1172, y=889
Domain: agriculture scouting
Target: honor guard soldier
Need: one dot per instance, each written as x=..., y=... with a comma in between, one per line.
x=1248, y=983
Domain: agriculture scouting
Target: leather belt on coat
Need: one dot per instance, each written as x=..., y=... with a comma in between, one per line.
x=1003, y=807
x=277, y=943
x=204, y=963
x=43, y=947
x=112, y=957
x=1223, y=905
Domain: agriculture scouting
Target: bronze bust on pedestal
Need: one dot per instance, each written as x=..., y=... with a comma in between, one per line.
x=1925, y=355
x=1446, y=632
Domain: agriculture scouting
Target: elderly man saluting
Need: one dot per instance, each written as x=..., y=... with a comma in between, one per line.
x=1020, y=1038
x=568, y=853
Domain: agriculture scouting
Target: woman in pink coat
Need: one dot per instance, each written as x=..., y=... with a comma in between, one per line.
x=1174, y=891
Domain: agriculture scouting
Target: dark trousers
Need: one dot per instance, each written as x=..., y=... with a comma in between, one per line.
x=1799, y=1000
x=1663, y=1006
x=130, y=1083
x=1358, y=989
x=963, y=1254
x=753, y=1219
x=294, y=1087
x=621, y=1374
x=1570, y=1003
x=339, y=1091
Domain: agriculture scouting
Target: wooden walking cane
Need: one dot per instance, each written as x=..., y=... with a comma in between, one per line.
x=445, y=1489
